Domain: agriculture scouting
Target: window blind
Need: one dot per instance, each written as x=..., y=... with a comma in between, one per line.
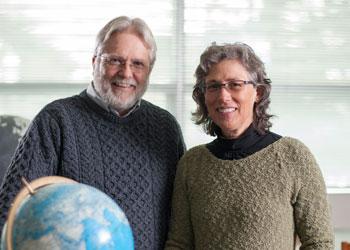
x=46, y=49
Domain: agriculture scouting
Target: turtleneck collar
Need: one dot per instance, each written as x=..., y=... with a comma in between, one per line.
x=246, y=144
x=248, y=138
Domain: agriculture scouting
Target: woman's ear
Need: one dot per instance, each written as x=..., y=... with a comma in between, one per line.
x=259, y=93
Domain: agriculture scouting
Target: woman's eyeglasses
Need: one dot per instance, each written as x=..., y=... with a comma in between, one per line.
x=231, y=86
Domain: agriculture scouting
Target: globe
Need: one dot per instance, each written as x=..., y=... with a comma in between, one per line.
x=61, y=214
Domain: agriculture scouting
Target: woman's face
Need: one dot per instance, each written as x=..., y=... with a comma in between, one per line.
x=231, y=106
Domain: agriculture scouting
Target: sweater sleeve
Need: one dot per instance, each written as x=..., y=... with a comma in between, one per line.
x=181, y=233
x=181, y=146
x=35, y=156
x=311, y=208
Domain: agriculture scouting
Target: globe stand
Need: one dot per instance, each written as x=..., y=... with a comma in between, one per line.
x=28, y=186
x=29, y=189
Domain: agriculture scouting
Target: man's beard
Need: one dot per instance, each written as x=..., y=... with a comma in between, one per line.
x=117, y=100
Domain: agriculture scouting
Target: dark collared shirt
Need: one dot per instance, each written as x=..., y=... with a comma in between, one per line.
x=94, y=95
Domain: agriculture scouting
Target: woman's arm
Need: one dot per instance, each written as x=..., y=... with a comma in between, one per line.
x=311, y=208
x=181, y=234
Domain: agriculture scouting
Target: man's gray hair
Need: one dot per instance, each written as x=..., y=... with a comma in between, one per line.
x=124, y=23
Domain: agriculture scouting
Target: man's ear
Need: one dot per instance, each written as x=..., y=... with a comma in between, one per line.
x=93, y=63
x=93, y=60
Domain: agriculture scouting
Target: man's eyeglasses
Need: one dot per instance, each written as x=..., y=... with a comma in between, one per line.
x=119, y=62
x=232, y=86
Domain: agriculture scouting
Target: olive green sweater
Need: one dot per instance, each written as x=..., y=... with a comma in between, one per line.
x=258, y=202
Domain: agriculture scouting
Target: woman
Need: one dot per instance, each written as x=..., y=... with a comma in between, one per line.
x=249, y=188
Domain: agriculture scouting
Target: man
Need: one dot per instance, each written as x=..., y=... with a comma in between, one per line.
x=108, y=137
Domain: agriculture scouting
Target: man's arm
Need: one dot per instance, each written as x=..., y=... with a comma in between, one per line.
x=35, y=156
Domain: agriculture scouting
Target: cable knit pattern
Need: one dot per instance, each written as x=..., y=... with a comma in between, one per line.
x=258, y=202
x=132, y=159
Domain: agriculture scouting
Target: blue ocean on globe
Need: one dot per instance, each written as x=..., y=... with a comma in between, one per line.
x=70, y=216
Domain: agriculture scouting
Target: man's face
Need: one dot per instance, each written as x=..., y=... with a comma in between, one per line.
x=121, y=71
